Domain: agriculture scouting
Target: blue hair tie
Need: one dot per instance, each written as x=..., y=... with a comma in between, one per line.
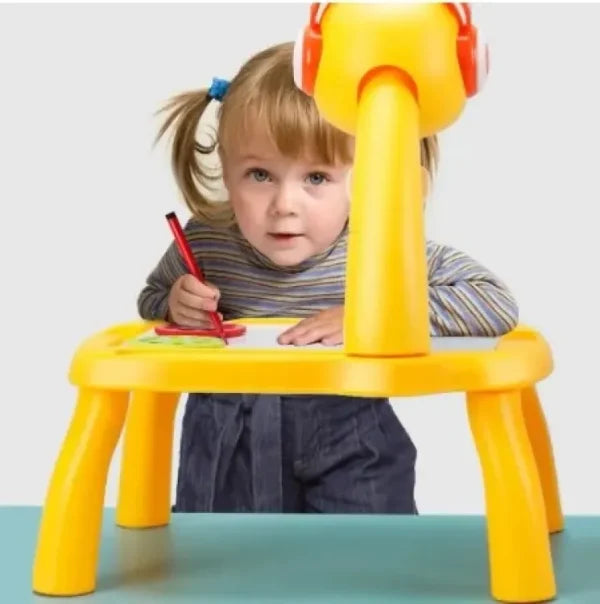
x=217, y=89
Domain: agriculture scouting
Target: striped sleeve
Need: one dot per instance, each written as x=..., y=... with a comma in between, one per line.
x=465, y=299
x=153, y=300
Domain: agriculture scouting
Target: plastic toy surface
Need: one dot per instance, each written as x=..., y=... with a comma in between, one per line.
x=390, y=74
x=435, y=48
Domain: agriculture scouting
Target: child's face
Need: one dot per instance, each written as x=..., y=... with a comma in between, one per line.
x=288, y=209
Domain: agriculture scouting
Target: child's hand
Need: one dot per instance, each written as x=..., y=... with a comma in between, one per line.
x=325, y=327
x=190, y=302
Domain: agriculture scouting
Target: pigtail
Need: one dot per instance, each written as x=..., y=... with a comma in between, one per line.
x=184, y=112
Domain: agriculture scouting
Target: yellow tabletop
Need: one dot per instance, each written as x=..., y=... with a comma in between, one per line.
x=256, y=363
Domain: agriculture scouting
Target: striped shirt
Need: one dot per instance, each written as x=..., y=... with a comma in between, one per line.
x=465, y=299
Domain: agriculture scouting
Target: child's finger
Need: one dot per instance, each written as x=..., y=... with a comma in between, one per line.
x=190, y=284
x=194, y=314
x=196, y=302
x=190, y=316
x=312, y=334
x=299, y=328
x=287, y=336
x=202, y=321
x=333, y=339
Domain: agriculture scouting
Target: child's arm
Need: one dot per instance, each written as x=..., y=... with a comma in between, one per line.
x=465, y=299
x=153, y=300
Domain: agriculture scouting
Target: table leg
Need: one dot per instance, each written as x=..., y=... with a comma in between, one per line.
x=519, y=546
x=544, y=457
x=69, y=536
x=145, y=487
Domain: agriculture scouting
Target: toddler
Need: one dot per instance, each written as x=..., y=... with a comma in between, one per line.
x=277, y=248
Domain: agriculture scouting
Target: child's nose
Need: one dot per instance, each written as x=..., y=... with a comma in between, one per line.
x=284, y=201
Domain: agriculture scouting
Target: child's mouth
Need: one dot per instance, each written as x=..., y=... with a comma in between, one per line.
x=284, y=236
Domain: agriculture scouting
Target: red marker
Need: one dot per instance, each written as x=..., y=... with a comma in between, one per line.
x=186, y=252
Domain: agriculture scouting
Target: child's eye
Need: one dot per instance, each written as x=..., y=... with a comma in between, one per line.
x=258, y=174
x=317, y=178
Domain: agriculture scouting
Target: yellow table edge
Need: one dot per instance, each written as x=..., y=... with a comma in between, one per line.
x=521, y=357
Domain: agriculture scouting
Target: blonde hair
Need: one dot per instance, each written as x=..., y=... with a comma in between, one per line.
x=263, y=92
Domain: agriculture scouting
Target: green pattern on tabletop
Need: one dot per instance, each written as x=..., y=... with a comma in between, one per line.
x=151, y=339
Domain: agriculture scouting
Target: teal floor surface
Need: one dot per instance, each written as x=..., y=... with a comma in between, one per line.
x=227, y=559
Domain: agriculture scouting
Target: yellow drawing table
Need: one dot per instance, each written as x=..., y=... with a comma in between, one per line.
x=498, y=375
x=371, y=81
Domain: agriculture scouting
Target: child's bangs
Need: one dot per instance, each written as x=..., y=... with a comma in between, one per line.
x=293, y=124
